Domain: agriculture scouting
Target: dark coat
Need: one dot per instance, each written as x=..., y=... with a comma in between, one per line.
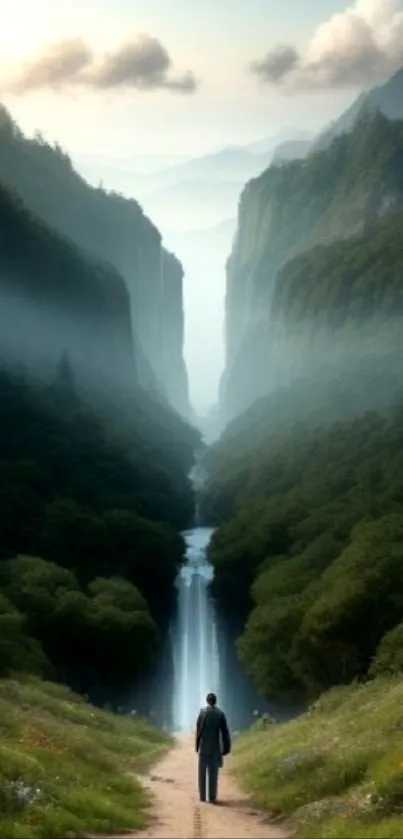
x=212, y=733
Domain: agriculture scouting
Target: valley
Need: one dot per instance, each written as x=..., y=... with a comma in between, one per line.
x=154, y=548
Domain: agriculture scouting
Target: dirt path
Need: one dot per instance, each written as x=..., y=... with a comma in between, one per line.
x=179, y=813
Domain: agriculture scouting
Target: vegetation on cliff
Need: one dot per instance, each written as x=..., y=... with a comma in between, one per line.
x=102, y=506
x=114, y=230
x=347, y=283
x=280, y=261
x=329, y=195
x=305, y=486
x=56, y=299
x=94, y=484
x=313, y=535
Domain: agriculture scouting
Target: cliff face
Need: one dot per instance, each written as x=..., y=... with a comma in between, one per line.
x=290, y=209
x=109, y=227
x=173, y=332
x=54, y=301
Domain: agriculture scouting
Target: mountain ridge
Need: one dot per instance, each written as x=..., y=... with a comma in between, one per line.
x=115, y=231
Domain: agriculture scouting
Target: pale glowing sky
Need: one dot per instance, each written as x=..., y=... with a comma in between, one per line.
x=216, y=40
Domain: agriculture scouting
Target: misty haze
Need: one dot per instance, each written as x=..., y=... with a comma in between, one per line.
x=201, y=419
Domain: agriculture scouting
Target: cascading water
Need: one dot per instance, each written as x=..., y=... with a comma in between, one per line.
x=194, y=633
x=200, y=655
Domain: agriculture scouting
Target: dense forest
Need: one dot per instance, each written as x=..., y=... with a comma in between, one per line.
x=346, y=283
x=89, y=533
x=315, y=538
x=305, y=486
x=94, y=486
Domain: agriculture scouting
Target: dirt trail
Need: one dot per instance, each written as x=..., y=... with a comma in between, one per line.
x=179, y=813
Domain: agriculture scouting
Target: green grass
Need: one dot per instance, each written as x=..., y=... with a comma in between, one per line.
x=336, y=771
x=68, y=768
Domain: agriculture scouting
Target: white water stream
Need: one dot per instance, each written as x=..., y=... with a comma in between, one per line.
x=194, y=634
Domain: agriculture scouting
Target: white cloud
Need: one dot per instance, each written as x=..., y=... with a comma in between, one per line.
x=360, y=46
x=142, y=63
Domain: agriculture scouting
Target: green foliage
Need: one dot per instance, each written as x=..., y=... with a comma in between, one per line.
x=91, y=504
x=94, y=462
x=106, y=634
x=117, y=256
x=389, y=654
x=315, y=276
x=331, y=194
x=18, y=651
x=67, y=768
x=336, y=771
x=311, y=555
x=347, y=282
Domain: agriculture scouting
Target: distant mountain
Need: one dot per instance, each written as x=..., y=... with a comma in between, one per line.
x=291, y=150
x=206, y=188
x=287, y=135
x=203, y=190
x=231, y=163
x=184, y=205
x=142, y=164
x=205, y=246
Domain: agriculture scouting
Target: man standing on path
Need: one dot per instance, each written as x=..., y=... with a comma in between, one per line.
x=213, y=742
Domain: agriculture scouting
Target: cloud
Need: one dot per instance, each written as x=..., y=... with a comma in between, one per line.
x=363, y=44
x=141, y=64
x=280, y=61
x=57, y=65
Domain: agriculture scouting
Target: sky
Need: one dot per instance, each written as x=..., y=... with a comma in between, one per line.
x=214, y=41
x=124, y=77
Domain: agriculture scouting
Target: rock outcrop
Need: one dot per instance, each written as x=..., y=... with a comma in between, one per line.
x=330, y=196
x=112, y=230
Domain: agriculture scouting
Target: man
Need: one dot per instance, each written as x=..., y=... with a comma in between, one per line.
x=213, y=742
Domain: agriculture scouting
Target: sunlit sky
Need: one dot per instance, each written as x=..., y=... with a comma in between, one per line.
x=213, y=39
x=216, y=40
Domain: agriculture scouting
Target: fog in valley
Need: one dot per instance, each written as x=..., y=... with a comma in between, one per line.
x=194, y=202
x=185, y=311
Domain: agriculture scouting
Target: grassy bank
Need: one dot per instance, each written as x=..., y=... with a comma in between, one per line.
x=337, y=771
x=67, y=768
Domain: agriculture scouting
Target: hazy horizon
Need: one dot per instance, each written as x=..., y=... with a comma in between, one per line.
x=113, y=84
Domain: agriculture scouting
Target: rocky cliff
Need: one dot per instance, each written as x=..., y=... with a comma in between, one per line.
x=173, y=334
x=333, y=194
x=55, y=301
x=116, y=232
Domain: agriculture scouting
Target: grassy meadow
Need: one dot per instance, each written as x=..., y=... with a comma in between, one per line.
x=336, y=772
x=67, y=768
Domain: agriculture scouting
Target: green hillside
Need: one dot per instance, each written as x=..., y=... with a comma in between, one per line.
x=68, y=769
x=334, y=772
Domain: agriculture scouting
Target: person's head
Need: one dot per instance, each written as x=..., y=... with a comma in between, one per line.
x=211, y=699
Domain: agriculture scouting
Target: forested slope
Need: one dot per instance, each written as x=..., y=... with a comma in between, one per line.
x=292, y=208
x=113, y=230
x=94, y=484
x=306, y=484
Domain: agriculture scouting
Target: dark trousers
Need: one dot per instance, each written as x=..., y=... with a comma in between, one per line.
x=208, y=769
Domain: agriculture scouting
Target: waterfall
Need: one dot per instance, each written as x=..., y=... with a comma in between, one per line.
x=200, y=655
x=194, y=634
